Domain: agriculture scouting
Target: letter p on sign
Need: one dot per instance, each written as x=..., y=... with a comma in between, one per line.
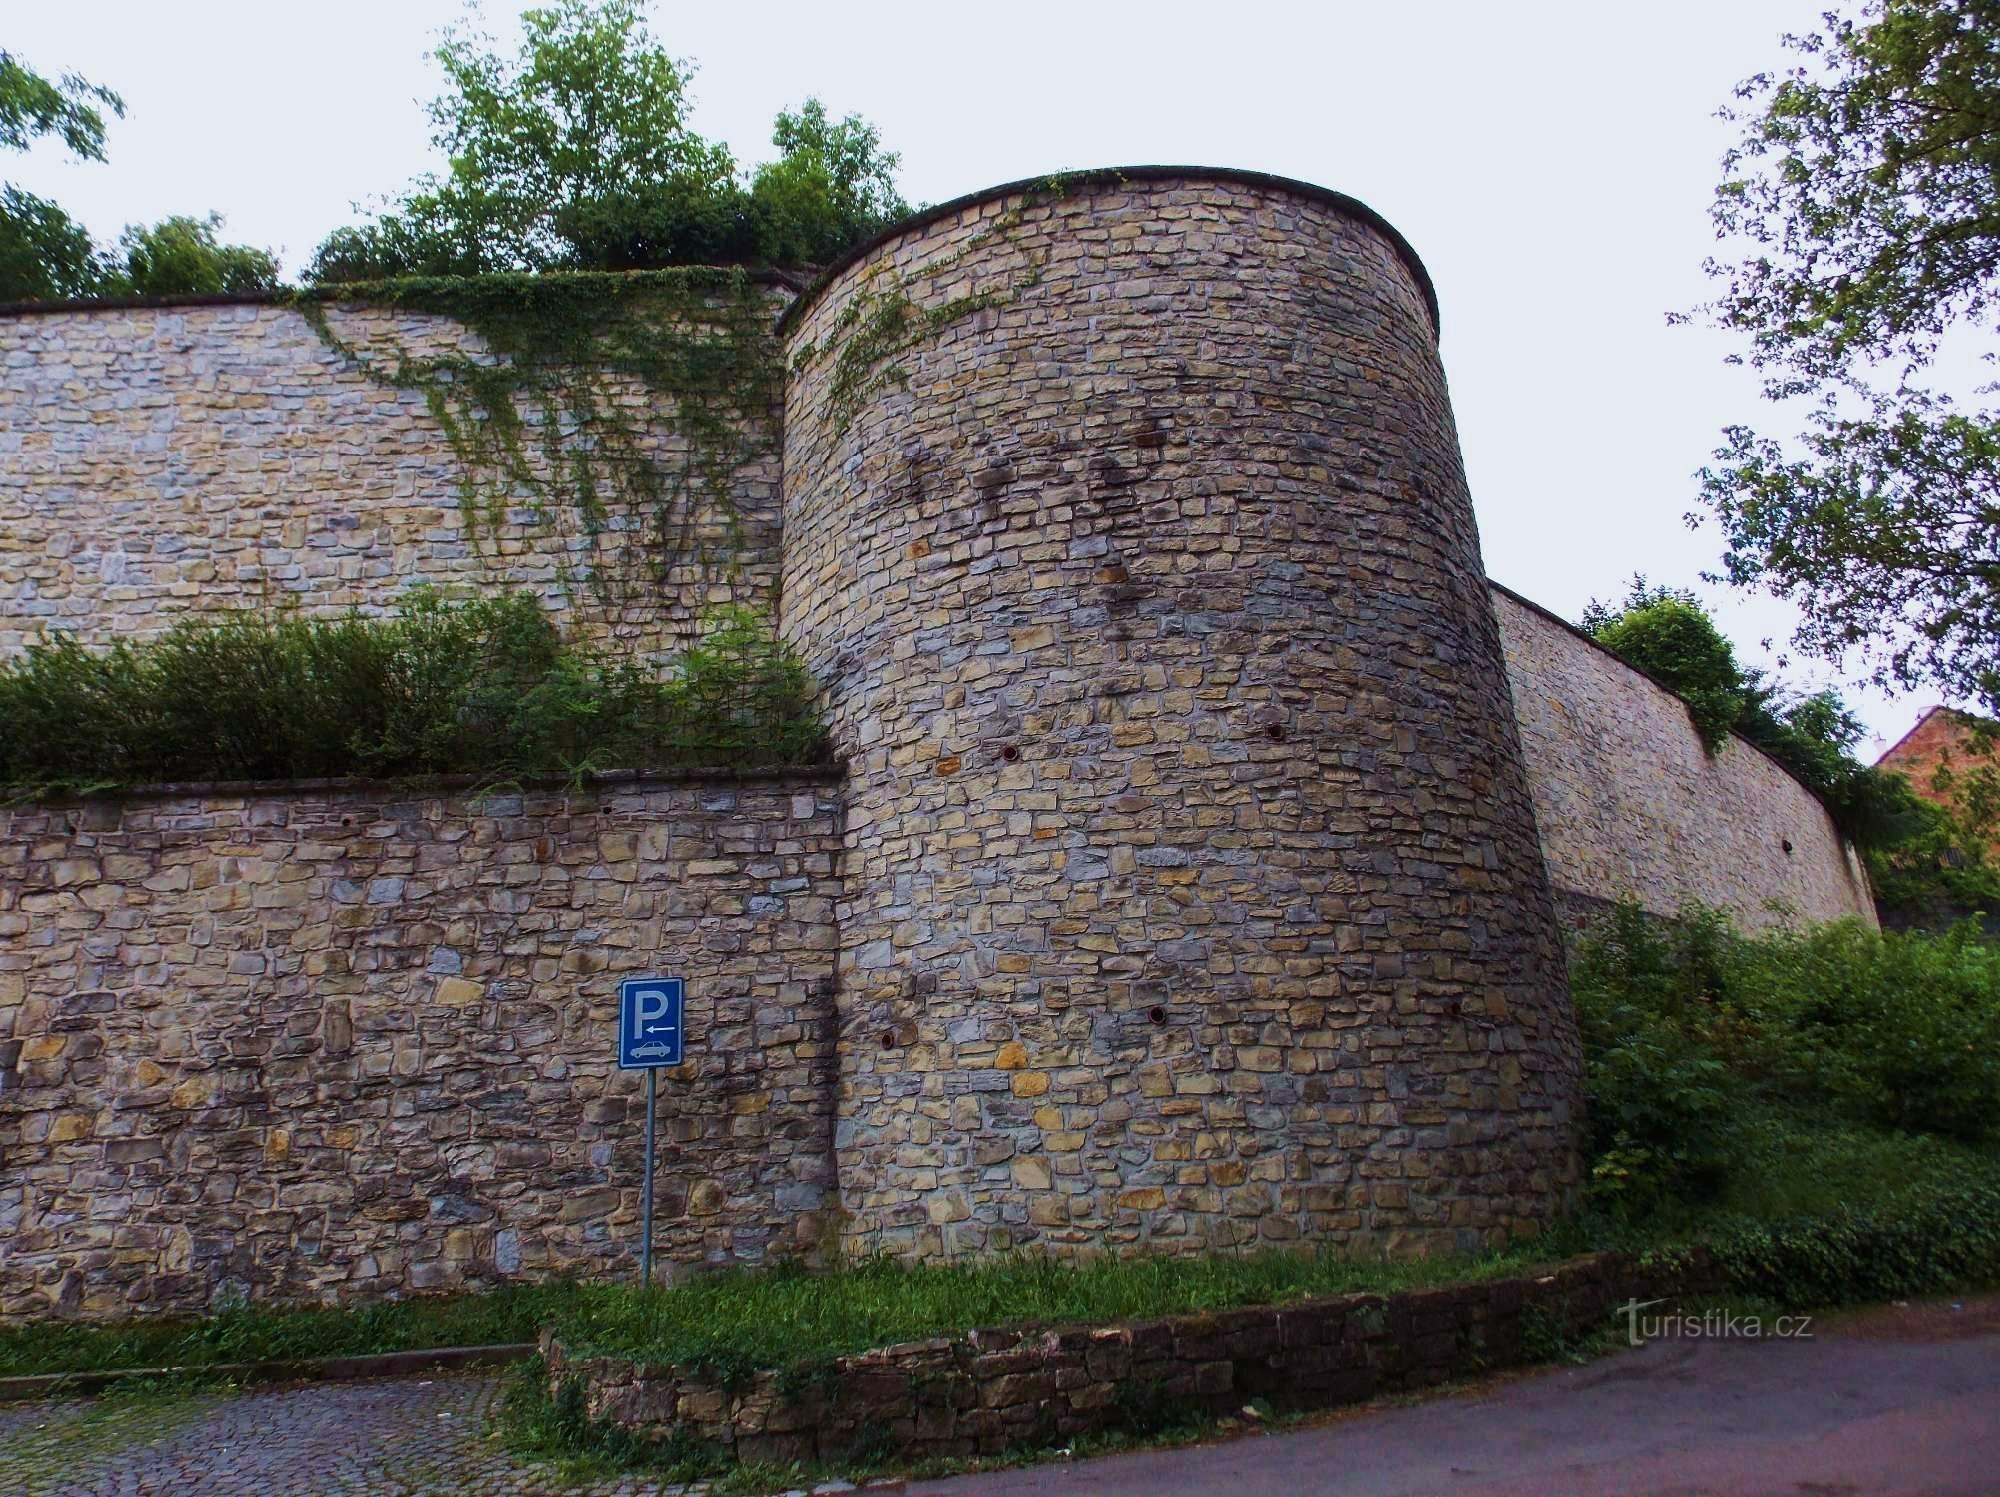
x=649, y=1022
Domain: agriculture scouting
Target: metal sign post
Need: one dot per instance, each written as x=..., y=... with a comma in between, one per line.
x=650, y=1035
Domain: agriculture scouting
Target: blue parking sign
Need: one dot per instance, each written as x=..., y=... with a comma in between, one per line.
x=649, y=1022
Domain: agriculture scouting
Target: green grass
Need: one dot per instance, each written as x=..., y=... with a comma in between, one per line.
x=731, y=1324
x=252, y=1335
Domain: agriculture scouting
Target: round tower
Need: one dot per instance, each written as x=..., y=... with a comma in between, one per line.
x=1193, y=895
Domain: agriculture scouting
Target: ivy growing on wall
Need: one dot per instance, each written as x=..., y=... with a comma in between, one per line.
x=892, y=313
x=610, y=412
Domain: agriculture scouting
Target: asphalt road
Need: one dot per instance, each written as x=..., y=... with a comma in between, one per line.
x=1892, y=1402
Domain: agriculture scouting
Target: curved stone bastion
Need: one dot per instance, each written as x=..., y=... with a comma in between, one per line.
x=1192, y=891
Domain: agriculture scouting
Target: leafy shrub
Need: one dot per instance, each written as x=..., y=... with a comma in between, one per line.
x=1661, y=1099
x=1901, y=1029
x=485, y=687
x=1925, y=1241
x=1693, y=1034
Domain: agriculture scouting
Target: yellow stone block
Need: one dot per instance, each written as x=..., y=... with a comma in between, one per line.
x=1031, y=1083
x=456, y=992
x=194, y=1092
x=1013, y=1056
x=1031, y=1173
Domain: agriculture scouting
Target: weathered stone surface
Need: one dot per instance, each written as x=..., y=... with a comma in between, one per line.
x=1185, y=893
x=162, y=462
x=1146, y=590
x=1630, y=805
x=218, y=1098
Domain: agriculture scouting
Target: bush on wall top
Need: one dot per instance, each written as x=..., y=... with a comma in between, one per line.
x=484, y=687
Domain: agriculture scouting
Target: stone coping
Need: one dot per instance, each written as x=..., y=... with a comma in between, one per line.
x=355, y=293
x=1112, y=176
x=995, y=1390
x=452, y=784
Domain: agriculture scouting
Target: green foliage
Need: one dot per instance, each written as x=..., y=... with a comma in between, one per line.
x=1928, y=1240
x=1943, y=868
x=832, y=186
x=483, y=687
x=541, y=421
x=1899, y=1030
x=1670, y=637
x=45, y=255
x=1865, y=197
x=576, y=154
x=1661, y=1100
x=31, y=107
x=180, y=257
x=1693, y=1034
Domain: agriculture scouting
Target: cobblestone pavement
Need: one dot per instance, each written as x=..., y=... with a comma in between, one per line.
x=400, y=1437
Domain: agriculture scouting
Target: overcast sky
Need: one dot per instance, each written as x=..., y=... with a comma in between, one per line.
x=1552, y=164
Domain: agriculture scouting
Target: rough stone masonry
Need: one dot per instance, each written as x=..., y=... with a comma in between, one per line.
x=1184, y=888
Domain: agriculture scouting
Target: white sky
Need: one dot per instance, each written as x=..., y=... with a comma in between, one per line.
x=1552, y=164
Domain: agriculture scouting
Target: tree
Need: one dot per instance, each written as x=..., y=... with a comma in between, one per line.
x=575, y=153
x=180, y=257
x=1668, y=635
x=589, y=109
x=1866, y=194
x=833, y=186
x=45, y=254
x=31, y=107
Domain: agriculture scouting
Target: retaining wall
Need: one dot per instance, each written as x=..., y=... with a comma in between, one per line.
x=1021, y=1388
x=351, y=1042
x=158, y=462
x=1630, y=805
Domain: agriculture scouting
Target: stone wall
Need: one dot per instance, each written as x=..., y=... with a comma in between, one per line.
x=350, y=1042
x=1631, y=806
x=1012, y=1389
x=1189, y=886
x=1193, y=892
x=162, y=461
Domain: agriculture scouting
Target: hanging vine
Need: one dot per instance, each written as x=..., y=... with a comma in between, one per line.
x=889, y=315
x=611, y=412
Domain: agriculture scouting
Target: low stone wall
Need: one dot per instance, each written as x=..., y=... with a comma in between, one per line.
x=349, y=1042
x=992, y=1391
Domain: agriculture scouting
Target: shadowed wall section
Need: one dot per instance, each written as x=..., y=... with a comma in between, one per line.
x=1631, y=806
